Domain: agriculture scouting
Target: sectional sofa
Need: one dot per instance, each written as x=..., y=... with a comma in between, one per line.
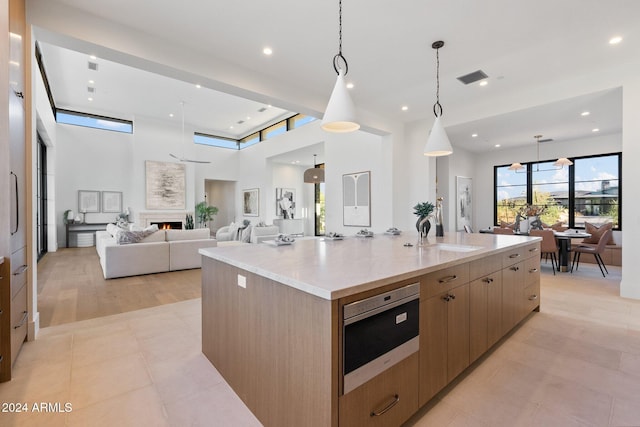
x=157, y=252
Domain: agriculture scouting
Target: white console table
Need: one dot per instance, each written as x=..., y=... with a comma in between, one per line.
x=290, y=226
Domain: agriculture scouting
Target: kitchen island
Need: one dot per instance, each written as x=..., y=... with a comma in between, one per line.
x=273, y=319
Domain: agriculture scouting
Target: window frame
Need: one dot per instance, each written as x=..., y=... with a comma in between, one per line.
x=96, y=117
x=571, y=190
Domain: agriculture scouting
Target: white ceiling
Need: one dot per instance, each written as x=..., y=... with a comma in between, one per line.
x=522, y=46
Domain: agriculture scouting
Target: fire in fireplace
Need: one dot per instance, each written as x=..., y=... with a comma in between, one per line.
x=168, y=225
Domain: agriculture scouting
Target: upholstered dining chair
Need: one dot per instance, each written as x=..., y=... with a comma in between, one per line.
x=596, y=251
x=502, y=230
x=468, y=229
x=548, y=246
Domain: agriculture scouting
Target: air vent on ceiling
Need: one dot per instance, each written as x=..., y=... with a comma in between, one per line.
x=93, y=66
x=262, y=110
x=240, y=122
x=545, y=140
x=91, y=89
x=473, y=77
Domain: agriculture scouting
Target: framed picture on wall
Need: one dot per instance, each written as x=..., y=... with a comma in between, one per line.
x=166, y=185
x=464, y=199
x=250, y=202
x=112, y=201
x=356, y=199
x=88, y=201
x=285, y=203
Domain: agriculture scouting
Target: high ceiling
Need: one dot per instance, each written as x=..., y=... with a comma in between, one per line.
x=526, y=48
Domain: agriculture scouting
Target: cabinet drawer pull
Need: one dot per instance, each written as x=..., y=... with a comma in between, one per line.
x=533, y=297
x=448, y=279
x=515, y=268
x=487, y=280
x=533, y=270
x=514, y=255
x=533, y=250
x=25, y=315
x=20, y=270
x=395, y=401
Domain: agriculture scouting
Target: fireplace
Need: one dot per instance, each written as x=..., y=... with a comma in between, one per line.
x=168, y=225
x=145, y=219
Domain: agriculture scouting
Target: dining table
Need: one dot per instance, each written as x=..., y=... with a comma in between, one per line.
x=564, y=239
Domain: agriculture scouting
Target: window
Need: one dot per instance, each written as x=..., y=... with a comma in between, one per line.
x=588, y=191
x=92, y=121
x=277, y=129
x=299, y=120
x=215, y=141
x=250, y=140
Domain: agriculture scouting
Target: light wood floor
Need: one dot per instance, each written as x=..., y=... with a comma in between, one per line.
x=71, y=287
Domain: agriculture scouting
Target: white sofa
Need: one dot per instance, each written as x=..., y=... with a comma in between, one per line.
x=164, y=250
x=250, y=234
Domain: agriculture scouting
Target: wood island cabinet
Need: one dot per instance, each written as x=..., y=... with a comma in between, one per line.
x=485, y=313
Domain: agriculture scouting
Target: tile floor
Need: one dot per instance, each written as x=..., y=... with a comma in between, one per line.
x=576, y=363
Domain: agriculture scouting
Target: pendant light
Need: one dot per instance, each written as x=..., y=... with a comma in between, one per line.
x=314, y=175
x=340, y=116
x=182, y=144
x=438, y=142
x=558, y=164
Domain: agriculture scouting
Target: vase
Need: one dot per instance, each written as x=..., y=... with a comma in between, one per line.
x=423, y=225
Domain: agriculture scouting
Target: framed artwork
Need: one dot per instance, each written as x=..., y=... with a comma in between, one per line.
x=285, y=203
x=464, y=202
x=165, y=185
x=356, y=199
x=88, y=201
x=250, y=202
x=112, y=201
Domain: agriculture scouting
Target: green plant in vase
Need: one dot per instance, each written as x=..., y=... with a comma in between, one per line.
x=423, y=211
x=205, y=213
x=188, y=222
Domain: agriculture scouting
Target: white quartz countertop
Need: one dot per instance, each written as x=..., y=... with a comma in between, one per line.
x=333, y=269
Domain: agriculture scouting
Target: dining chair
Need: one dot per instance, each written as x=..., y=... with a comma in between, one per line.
x=596, y=251
x=468, y=229
x=502, y=230
x=548, y=246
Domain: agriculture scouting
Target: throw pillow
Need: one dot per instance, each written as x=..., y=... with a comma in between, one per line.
x=112, y=229
x=125, y=237
x=233, y=231
x=596, y=232
x=246, y=234
x=557, y=226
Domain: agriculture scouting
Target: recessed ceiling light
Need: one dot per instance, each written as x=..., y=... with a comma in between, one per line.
x=248, y=118
x=484, y=83
x=90, y=99
x=405, y=108
x=91, y=82
x=170, y=114
x=269, y=106
x=497, y=145
x=230, y=127
x=349, y=85
x=595, y=130
x=267, y=51
x=198, y=86
x=474, y=135
x=585, y=113
x=93, y=57
x=615, y=40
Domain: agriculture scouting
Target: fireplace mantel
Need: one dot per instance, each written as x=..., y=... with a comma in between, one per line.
x=147, y=217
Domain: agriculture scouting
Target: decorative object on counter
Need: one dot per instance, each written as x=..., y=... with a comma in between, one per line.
x=340, y=115
x=438, y=143
x=281, y=240
x=393, y=231
x=364, y=233
x=68, y=216
x=334, y=236
x=356, y=199
x=188, y=222
x=205, y=213
x=423, y=211
x=438, y=217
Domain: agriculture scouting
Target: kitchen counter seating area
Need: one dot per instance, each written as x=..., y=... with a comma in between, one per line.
x=287, y=326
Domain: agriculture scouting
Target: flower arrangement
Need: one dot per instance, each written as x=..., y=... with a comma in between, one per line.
x=423, y=209
x=531, y=210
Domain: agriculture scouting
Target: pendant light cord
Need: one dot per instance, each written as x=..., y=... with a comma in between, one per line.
x=437, y=45
x=339, y=56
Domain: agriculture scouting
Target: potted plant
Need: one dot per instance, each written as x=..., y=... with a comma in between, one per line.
x=423, y=211
x=68, y=216
x=205, y=213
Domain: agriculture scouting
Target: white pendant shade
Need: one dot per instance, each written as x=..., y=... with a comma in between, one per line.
x=563, y=161
x=516, y=167
x=340, y=115
x=438, y=142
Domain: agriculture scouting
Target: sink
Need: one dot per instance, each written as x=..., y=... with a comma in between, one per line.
x=456, y=248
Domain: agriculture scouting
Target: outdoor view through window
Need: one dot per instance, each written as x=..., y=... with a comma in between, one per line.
x=588, y=191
